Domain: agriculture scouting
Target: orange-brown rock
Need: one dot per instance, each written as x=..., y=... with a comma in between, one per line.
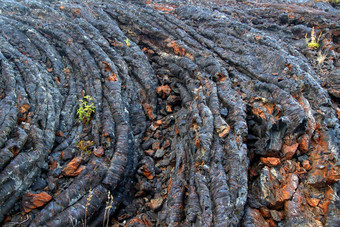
x=271, y=222
x=53, y=165
x=78, y=171
x=265, y=212
x=223, y=131
x=167, y=144
x=134, y=222
x=319, y=156
x=63, y=155
x=333, y=174
x=259, y=112
x=253, y=216
x=155, y=204
x=168, y=108
x=275, y=185
x=175, y=46
x=324, y=206
x=287, y=190
x=306, y=165
x=317, y=175
x=141, y=221
x=24, y=108
x=71, y=169
x=31, y=201
x=158, y=123
x=313, y=202
x=304, y=143
x=150, y=152
x=270, y=161
x=99, y=152
x=289, y=150
x=149, y=110
x=163, y=91
x=156, y=145
x=59, y=133
x=146, y=172
x=113, y=77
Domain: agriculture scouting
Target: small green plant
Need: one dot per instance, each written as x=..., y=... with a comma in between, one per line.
x=314, y=41
x=84, y=146
x=86, y=108
x=127, y=41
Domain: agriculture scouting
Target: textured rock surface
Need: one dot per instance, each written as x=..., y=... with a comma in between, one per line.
x=208, y=113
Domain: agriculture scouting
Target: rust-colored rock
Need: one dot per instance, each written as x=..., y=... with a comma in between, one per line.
x=223, y=131
x=134, y=222
x=99, y=152
x=333, y=174
x=24, y=108
x=306, y=165
x=71, y=169
x=324, y=205
x=288, y=188
x=163, y=91
x=53, y=165
x=112, y=78
x=177, y=48
x=271, y=222
x=253, y=216
x=141, y=221
x=304, y=143
x=265, y=212
x=149, y=110
x=313, y=202
x=274, y=186
x=168, y=108
x=147, y=173
x=59, y=133
x=317, y=175
x=270, y=161
x=31, y=201
x=158, y=123
x=150, y=152
x=166, y=144
x=289, y=150
x=79, y=170
x=155, y=204
x=156, y=145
